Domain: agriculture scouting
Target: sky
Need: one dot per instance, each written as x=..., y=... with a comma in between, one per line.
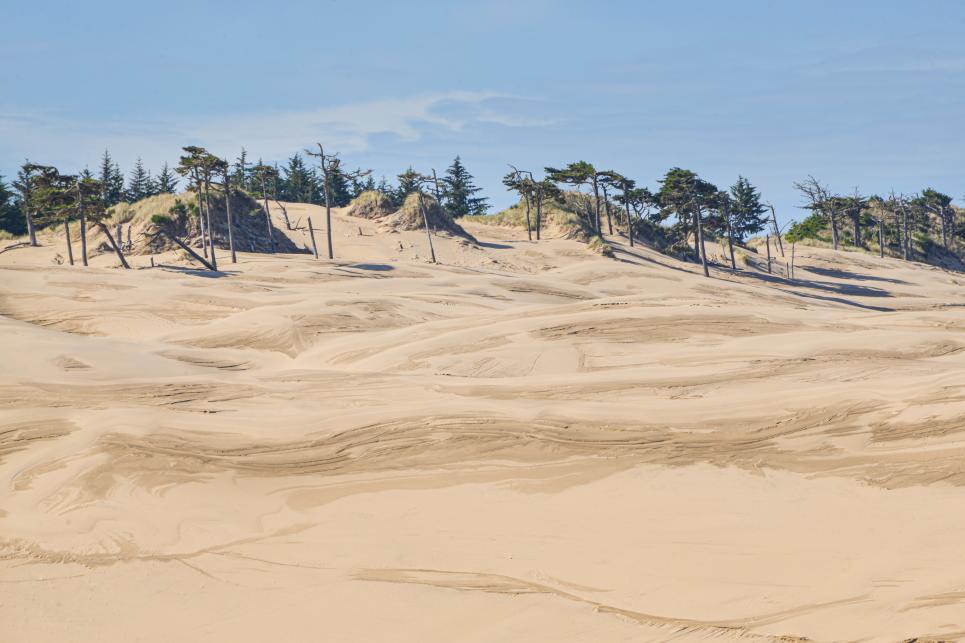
x=865, y=94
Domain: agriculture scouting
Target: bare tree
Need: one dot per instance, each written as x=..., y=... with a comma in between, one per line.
x=331, y=167
x=821, y=201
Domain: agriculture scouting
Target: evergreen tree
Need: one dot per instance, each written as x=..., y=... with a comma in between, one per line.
x=747, y=214
x=11, y=218
x=139, y=183
x=167, y=181
x=408, y=183
x=111, y=180
x=459, y=193
x=241, y=175
x=297, y=183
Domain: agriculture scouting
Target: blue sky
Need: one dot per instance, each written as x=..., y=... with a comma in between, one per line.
x=860, y=93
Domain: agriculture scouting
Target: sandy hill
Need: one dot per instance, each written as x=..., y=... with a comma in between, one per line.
x=526, y=441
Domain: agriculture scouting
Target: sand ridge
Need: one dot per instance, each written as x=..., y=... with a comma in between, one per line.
x=524, y=441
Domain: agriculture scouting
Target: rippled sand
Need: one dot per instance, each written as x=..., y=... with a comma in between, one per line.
x=526, y=442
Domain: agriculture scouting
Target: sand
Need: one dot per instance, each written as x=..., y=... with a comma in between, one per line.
x=524, y=442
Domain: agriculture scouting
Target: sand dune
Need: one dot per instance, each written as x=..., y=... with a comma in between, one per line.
x=524, y=442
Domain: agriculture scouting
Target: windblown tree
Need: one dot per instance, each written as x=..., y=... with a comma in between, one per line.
x=334, y=180
x=578, y=174
x=543, y=192
x=685, y=195
x=460, y=192
x=522, y=183
x=854, y=206
x=200, y=165
x=24, y=186
x=627, y=196
x=61, y=198
x=607, y=180
x=821, y=203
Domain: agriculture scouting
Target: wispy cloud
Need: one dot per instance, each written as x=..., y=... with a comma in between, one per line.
x=64, y=141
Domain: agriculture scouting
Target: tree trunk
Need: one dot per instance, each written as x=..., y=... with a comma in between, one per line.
x=311, y=234
x=696, y=238
x=834, y=229
x=231, y=225
x=425, y=219
x=120, y=236
x=187, y=249
x=606, y=208
x=881, y=240
x=83, y=238
x=777, y=231
x=31, y=230
x=767, y=241
x=730, y=239
x=539, y=214
x=264, y=194
x=944, y=222
x=904, y=225
x=204, y=229
x=117, y=250
x=529, y=229
x=703, y=250
x=70, y=250
x=857, y=230
x=793, y=243
x=207, y=208
x=629, y=223
x=596, y=200
x=328, y=216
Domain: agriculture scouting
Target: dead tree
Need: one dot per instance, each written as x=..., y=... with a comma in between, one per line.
x=331, y=167
x=777, y=231
x=724, y=200
x=821, y=201
x=311, y=234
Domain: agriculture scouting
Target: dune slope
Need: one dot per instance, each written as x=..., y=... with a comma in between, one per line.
x=525, y=441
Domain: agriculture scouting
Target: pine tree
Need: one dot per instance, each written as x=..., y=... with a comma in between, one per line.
x=11, y=218
x=747, y=214
x=408, y=183
x=111, y=181
x=458, y=196
x=167, y=181
x=139, y=184
x=297, y=182
x=241, y=174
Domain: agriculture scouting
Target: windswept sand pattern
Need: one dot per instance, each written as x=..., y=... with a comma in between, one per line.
x=526, y=441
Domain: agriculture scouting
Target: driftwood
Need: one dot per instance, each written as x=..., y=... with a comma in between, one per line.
x=14, y=246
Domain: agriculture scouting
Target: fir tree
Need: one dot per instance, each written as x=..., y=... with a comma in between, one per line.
x=297, y=183
x=167, y=181
x=139, y=183
x=111, y=181
x=11, y=218
x=241, y=174
x=747, y=214
x=408, y=183
x=459, y=193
